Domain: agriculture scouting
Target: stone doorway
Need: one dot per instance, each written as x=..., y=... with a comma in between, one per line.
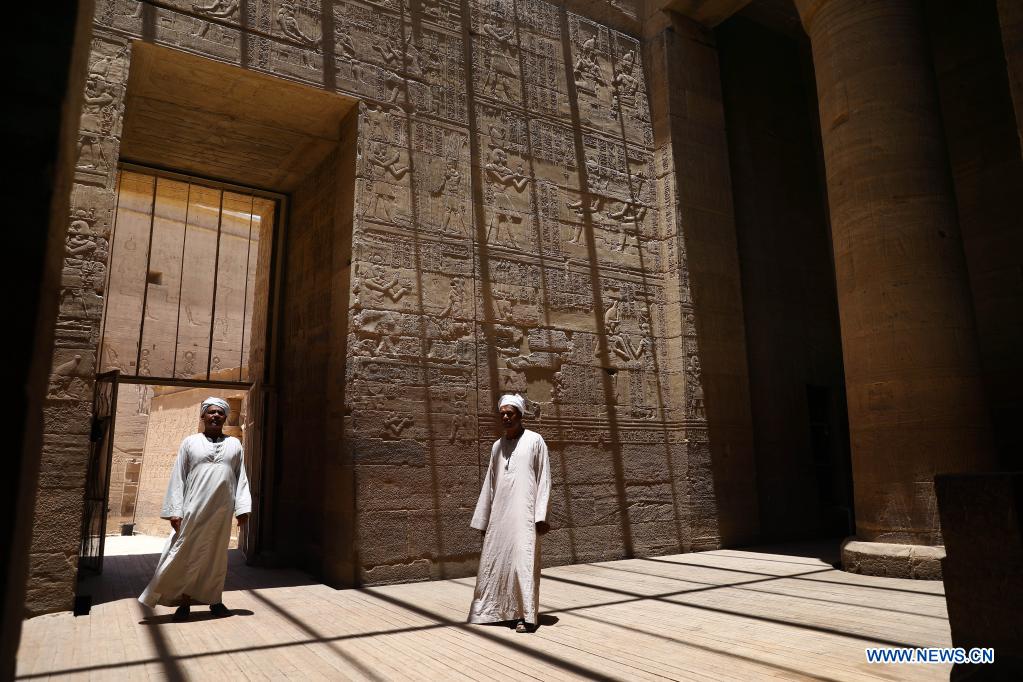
x=208, y=163
x=185, y=317
x=790, y=304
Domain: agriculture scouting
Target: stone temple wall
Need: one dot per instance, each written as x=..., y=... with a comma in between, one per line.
x=515, y=228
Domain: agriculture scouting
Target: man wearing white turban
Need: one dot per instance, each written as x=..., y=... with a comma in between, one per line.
x=207, y=487
x=512, y=514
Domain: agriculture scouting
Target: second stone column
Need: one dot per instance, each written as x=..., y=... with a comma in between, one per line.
x=916, y=404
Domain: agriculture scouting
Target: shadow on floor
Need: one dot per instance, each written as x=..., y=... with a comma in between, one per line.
x=126, y=576
x=199, y=614
x=827, y=550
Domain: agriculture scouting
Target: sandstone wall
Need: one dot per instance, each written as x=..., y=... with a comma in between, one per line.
x=515, y=226
x=132, y=421
x=67, y=413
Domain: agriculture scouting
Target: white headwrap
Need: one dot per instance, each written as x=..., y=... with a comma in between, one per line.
x=516, y=401
x=214, y=402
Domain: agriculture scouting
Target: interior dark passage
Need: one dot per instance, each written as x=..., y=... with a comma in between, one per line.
x=788, y=282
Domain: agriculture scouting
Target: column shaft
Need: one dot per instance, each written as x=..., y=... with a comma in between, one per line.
x=916, y=404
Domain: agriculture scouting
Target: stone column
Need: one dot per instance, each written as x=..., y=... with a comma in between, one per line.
x=916, y=404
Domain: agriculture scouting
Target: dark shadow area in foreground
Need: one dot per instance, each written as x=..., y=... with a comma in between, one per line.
x=126, y=576
x=196, y=617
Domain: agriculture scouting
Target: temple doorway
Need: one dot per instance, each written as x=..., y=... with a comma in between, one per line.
x=189, y=285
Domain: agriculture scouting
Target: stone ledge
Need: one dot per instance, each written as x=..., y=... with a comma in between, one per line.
x=920, y=562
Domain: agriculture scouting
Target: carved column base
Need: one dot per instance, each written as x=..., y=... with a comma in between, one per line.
x=920, y=562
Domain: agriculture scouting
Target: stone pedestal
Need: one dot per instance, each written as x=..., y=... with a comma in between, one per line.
x=916, y=404
x=893, y=560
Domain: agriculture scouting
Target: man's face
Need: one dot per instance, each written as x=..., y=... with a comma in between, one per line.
x=510, y=417
x=214, y=418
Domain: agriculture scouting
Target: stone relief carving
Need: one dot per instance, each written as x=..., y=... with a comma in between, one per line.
x=218, y=9
x=501, y=178
x=287, y=20
x=63, y=380
x=394, y=424
x=694, y=386
x=383, y=285
x=405, y=62
x=589, y=74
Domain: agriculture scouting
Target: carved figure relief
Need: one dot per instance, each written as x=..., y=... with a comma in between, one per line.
x=376, y=280
x=343, y=42
x=501, y=60
x=188, y=366
x=624, y=84
x=501, y=179
x=456, y=299
x=694, y=387
x=145, y=397
x=62, y=377
x=287, y=19
x=589, y=75
x=91, y=154
x=218, y=9
x=384, y=168
x=394, y=424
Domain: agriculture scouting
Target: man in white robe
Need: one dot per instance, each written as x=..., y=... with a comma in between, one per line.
x=207, y=488
x=512, y=514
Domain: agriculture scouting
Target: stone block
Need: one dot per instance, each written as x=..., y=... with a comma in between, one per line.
x=922, y=562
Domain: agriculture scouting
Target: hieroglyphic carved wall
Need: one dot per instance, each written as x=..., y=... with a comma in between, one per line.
x=515, y=229
x=68, y=410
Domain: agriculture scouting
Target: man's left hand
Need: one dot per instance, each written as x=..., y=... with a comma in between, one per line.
x=542, y=527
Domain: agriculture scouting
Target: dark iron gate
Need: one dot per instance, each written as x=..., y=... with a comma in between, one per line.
x=97, y=477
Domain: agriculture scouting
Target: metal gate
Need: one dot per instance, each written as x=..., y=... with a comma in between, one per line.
x=97, y=477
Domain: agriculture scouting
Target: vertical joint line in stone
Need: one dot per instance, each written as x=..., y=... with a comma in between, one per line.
x=479, y=217
x=327, y=45
x=245, y=296
x=533, y=200
x=110, y=261
x=598, y=299
x=145, y=277
x=181, y=280
x=216, y=272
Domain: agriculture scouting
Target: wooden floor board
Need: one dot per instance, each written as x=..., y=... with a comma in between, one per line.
x=764, y=613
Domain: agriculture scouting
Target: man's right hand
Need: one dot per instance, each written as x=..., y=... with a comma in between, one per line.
x=175, y=522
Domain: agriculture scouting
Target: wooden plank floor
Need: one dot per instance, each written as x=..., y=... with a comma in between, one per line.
x=780, y=612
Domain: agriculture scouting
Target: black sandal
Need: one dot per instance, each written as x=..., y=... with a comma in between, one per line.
x=182, y=614
x=219, y=610
x=523, y=626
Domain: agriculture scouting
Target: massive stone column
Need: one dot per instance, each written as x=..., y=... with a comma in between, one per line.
x=916, y=404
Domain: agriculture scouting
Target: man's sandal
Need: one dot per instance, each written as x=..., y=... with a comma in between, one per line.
x=522, y=626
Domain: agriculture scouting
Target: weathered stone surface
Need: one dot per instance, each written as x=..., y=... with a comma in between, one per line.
x=922, y=562
x=522, y=197
x=912, y=362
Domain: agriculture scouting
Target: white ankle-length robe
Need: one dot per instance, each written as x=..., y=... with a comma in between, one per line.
x=515, y=496
x=207, y=489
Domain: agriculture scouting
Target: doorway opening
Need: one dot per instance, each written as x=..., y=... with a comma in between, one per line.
x=790, y=303
x=186, y=317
